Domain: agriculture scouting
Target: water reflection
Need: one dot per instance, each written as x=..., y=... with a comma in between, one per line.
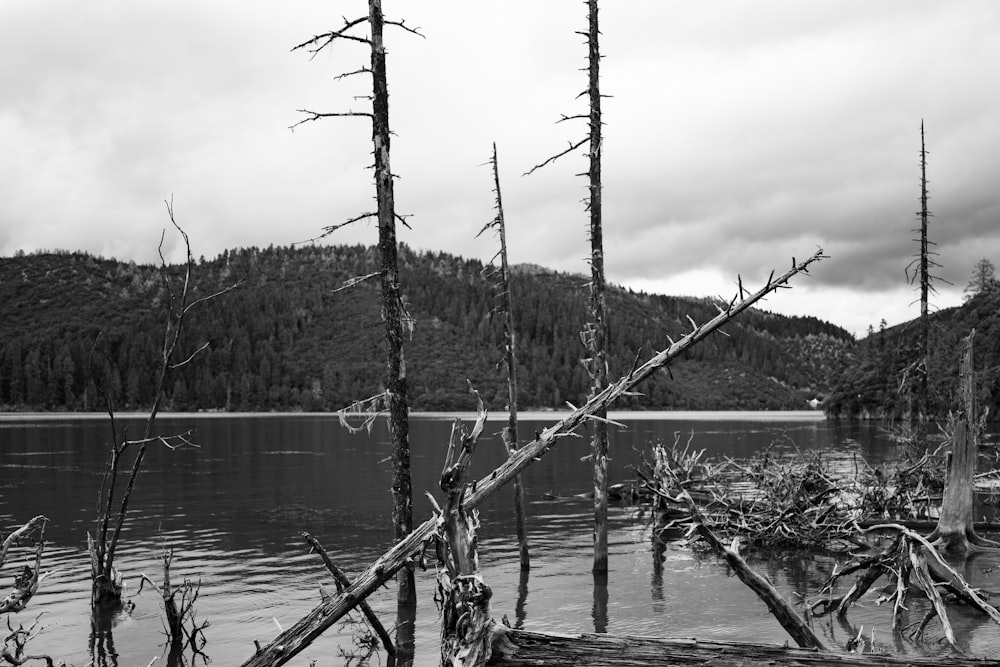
x=406, y=642
x=600, y=609
x=102, y=641
x=520, y=608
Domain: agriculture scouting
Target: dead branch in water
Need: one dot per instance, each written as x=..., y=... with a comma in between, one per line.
x=777, y=605
x=183, y=631
x=343, y=582
x=106, y=580
x=15, y=645
x=296, y=638
x=26, y=583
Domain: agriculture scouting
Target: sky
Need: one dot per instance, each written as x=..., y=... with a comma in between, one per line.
x=737, y=135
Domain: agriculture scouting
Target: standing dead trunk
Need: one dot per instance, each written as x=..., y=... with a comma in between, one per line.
x=106, y=581
x=395, y=375
x=917, y=383
x=466, y=619
x=597, y=337
x=509, y=434
x=955, y=531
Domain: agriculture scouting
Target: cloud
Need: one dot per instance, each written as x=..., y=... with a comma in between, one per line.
x=737, y=134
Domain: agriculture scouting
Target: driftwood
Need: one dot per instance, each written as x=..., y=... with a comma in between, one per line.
x=466, y=620
x=518, y=648
x=911, y=564
x=14, y=650
x=777, y=605
x=343, y=582
x=297, y=637
x=26, y=583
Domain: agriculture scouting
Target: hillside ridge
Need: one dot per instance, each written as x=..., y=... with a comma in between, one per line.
x=71, y=323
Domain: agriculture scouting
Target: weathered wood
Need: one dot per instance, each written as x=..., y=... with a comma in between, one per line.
x=509, y=434
x=518, y=648
x=777, y=605
x=944, y=573
x=392, y=316
x=596, y=335
x=302, y=633
x=20, y=536
x=466, y=619
x=955, y=531
x=26, y=583
x=342, y=583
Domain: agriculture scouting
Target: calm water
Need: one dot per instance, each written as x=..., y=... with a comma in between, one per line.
x=234, y=509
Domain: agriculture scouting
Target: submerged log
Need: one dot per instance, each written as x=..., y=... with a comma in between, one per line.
x=777, y=605
x=518, y=648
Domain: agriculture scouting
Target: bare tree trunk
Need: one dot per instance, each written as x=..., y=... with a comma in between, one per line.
x=466, y=619
x=395, y=375
x=922, y=397
x=598, y=335
x=510, y=359
x=105, y=579
x=955, y=531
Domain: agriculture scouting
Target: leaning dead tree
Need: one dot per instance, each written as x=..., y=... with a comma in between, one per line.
x=395, y=396
x=595, y=333
x=106, y=580
x=297, y=637
x=505, y=307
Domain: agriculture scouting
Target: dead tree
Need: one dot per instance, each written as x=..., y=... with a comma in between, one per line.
x=955, y=531
x=102, y=545
x=342, y=582
x=26, y=583
x=14, y=650
x=919, y=271
x=392, y=309
x=595, y=333
x=300, y=635
x=506, y=308
x=464, y=597
x=183, y=631
x=777, y=605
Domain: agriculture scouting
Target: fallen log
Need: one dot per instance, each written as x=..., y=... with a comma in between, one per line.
x=777, y=605
x=518, y=648
x=303, y=632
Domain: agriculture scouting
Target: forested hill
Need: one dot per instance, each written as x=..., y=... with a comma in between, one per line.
x=285, y=340
x=884, y=364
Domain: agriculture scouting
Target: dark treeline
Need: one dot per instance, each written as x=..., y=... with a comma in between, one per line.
x=72, y=324
x=875, y=383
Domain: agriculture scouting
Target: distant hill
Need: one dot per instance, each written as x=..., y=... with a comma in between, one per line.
x=285, y=341
x=871, y=385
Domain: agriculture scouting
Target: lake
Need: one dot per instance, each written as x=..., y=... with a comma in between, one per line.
x=233, y=510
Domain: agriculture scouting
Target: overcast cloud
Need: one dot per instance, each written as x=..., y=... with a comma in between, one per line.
x=739, y=134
